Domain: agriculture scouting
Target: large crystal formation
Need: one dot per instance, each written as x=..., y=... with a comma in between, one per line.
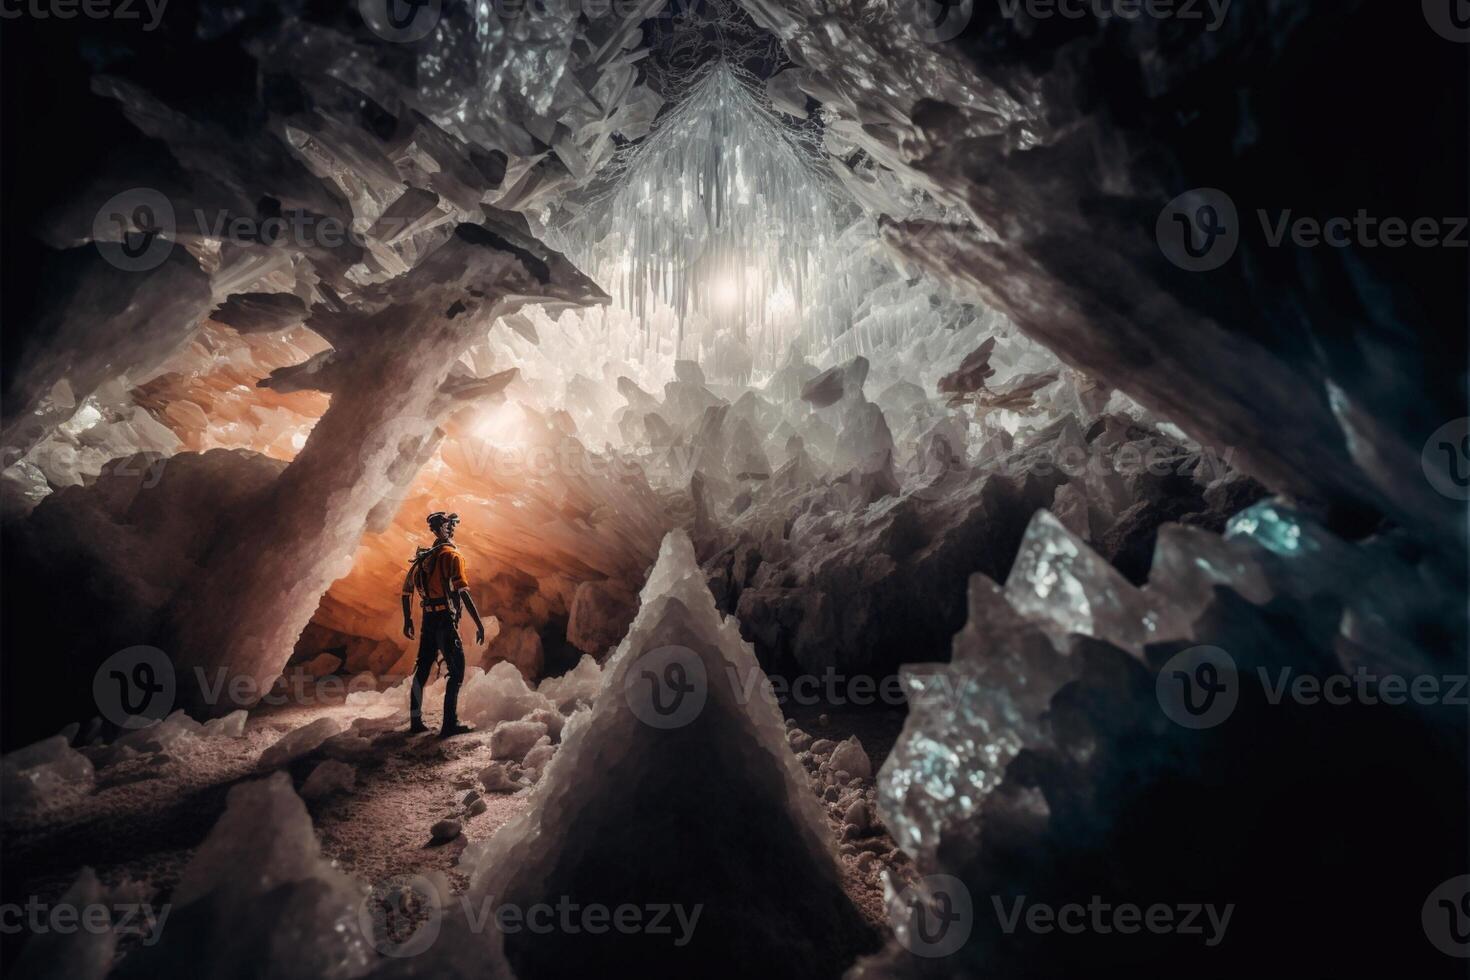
x=258, y=899
x=263, y=578
x=1001, y=116
x=1038, y=739
x=968, y=720
x=643, y=807
x=720, y=223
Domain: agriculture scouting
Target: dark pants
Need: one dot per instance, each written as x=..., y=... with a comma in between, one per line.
x=438, y=634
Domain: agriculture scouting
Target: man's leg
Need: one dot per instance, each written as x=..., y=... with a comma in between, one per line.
x=428, y=649
x=454, y=671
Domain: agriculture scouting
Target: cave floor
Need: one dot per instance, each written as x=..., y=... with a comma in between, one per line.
x=142, y=824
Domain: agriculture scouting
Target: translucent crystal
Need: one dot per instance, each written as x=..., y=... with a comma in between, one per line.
x=1066, y=587
x=967, y=720
x=1189, y=563
x=719, y=224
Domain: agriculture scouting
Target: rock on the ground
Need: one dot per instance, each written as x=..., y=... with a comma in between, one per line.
x=298, y=742
x=539, y=757
x=348, y=746
x=496, y=778
x=444, y=831
x=511, y=740
x=849, y=757
x=231, y=725
x=327, y=778
x=43, y=771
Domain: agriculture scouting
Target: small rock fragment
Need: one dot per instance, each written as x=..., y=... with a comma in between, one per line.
x=849, y=756
x=496, y=778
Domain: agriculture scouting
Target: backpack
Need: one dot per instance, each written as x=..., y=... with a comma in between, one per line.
x=418, y=571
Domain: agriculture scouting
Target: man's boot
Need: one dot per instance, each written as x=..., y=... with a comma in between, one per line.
x=452, y=726
x=417, y=727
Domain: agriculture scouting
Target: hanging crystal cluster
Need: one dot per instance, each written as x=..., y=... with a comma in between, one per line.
x=720, y=233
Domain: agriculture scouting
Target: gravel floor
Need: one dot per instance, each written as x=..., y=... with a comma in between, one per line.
x=139, y=829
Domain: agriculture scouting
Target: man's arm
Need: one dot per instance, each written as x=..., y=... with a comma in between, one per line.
x=469, y=604
x=461, y=587
x=408, y=616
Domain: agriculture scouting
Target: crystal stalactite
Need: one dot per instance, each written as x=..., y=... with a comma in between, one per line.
x=720, y=228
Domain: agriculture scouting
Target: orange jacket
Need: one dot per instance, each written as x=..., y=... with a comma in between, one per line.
x=436, y=574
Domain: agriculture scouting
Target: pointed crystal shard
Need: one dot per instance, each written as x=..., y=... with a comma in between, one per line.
x=967, y=720
x=679, y=790
x=1065, y=587
x=1188, y=564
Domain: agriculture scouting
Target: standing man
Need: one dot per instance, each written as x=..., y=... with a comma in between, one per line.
x=438, y=575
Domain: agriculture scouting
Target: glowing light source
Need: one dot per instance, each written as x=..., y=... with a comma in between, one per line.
x=725, y=294
x=722, y=218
